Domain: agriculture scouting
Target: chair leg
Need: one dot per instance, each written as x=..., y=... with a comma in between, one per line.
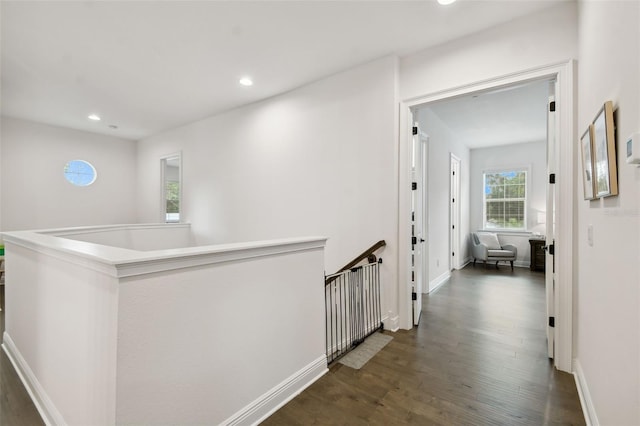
x=474, y=261
x=511, y=264
x=497, y=264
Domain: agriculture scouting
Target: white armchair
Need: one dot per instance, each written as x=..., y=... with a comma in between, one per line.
x=487, y=247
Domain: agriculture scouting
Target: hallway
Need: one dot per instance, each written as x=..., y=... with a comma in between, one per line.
x=478, y=357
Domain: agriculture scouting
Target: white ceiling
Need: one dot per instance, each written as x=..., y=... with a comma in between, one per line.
x=510, y=115
x=147, y=66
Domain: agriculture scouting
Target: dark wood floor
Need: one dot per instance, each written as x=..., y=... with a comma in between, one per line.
x=478, y=357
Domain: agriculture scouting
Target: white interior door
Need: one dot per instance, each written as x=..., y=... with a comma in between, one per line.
x=418, y=220
x=455, y=212
x=550, y=278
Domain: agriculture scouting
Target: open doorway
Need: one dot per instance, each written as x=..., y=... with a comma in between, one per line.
x=532, y=216
x=497, y=140
x=503, y=136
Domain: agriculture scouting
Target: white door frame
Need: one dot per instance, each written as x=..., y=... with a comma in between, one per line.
x=564, y=75
x=420, y=221
x=552, y=201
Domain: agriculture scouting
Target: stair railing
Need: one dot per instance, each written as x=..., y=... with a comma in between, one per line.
x=352, y=303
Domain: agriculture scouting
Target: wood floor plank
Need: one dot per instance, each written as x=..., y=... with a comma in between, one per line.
x=477, y=357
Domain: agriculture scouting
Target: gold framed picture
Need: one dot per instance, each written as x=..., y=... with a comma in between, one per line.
x=604, y=153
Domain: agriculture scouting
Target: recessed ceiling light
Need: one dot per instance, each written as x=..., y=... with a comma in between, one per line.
x=446, y=2
x=246, y=81
x=94, y=117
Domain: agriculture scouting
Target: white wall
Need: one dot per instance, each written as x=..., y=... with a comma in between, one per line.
x=608, y=322
x=532, y=156
x=222, y=343
x=35, y=193
x=1, y=178
x=537, y=40
x=133, y=237
x=441, y=144
x=319, y=160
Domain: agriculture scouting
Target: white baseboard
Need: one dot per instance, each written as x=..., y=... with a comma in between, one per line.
x=391, y=323
x=271, y=401
x=436, y=283
x=252, y=414
x=48, y=411
x=467, y=261
x=588, y=408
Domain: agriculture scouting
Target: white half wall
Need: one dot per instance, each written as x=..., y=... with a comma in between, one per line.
x=608, y=277
x=61, y=332
x=320, y=160
x=35, y=193
x=140, y=237
x=220, y=334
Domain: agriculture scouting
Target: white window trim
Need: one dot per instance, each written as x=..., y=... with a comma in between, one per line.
x=527, y=170
x=163, y=203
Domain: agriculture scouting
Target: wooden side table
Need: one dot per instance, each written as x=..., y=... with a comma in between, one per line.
x=538, y=254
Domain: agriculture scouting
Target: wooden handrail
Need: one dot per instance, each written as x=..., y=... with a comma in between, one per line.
x=362, y=256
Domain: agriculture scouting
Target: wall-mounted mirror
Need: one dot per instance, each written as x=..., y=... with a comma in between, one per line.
x=171, y=187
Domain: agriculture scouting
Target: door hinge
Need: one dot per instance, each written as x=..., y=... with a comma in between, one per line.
x=414, y=296
x=414, y=185
x=415, y=130
x=552, y=106
x=454, y=172
x=552, y=249
x=552, y=178
x=552, y=321
x=453, y=227
x=453, y=200
x=453, y=253
x=414, y=240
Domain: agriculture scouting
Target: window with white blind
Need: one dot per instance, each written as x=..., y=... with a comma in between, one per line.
x=505, y=200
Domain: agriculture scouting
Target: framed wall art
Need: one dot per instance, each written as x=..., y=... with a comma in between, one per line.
x=605, y=173
x=586, y=147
